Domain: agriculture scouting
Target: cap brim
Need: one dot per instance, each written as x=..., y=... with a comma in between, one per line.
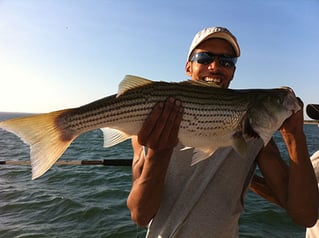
x=228, y=38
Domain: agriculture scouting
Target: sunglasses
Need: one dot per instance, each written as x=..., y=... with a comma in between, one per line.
x=208, y=58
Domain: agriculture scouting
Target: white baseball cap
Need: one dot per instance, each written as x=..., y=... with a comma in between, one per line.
x=214, y=32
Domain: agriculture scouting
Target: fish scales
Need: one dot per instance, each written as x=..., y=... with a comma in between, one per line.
x=136, y=104
x=212, y=118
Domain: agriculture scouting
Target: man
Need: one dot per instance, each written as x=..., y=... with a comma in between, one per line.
x=313, y=112
x=206, y=200
x=313, y=232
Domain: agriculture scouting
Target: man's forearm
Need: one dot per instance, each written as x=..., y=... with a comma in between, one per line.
x=147, y=190
x=302, y=202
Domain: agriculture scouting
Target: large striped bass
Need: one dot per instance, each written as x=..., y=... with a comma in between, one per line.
x=213, y=118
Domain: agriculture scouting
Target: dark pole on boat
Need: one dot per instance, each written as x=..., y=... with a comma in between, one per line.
x=105, y=162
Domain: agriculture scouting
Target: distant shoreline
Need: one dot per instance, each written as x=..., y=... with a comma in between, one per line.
x=311, y=122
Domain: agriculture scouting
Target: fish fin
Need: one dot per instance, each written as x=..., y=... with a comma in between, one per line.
x=247, y=128
x=200, y=155
x=265, y=136
x=255, y=131
x=186, y=148
x=130, y=82
x=239, y=144
x=113, y=136
x=47, y=142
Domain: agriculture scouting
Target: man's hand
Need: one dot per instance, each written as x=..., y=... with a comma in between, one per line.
x=160, y=129
x=294, y=124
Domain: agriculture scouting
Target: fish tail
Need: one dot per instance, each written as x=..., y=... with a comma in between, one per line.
x=47, y=141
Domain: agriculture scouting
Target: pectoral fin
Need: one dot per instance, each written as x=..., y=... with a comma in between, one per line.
x=202, y=154
x=186, y=148
x=113, y=137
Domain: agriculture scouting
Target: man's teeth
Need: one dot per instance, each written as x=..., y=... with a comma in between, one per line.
x=213, y=80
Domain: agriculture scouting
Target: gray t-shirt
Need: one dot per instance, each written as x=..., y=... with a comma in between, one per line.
x=204, y=200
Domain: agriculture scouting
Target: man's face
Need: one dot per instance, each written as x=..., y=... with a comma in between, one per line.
x=215, y=72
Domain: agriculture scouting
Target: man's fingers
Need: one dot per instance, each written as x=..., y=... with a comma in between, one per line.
x=164, y=122
x=150, y=123
x=170, y=131
x=160, y=129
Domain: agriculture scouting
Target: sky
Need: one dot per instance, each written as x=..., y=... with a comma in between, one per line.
x=57, y=54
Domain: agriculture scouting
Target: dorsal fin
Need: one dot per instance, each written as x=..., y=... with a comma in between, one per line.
x=130, y=82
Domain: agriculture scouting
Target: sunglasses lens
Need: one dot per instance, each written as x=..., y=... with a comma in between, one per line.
x=227, y=62
x=208, y=58
x=203, y=58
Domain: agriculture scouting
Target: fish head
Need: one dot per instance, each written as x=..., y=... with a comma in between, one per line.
x=282, y=102
x=270, y=110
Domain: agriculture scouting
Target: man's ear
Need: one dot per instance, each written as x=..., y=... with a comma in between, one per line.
x=188, y=68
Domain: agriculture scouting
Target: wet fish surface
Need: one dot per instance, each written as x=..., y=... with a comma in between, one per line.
x=213, y=117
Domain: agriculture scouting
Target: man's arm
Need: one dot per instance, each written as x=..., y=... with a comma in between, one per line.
x=260, y=187
x=159, y=134
x=294, y=187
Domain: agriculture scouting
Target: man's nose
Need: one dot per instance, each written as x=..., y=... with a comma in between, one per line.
x=214, y=65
